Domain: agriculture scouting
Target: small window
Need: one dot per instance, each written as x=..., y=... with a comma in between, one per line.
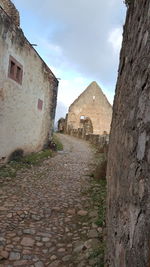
x=40, y=104
x=15, y=70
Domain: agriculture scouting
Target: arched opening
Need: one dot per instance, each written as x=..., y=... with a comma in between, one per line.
x=86, y=124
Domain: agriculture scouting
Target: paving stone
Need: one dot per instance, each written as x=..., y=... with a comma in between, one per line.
x=100, y=229
x=66, y=258
x=36, y=217
x=20, y=263
x=61, y=250
x=92, y=233
x=14, y=256
x=29, y=231
x=16, y=238
x=45, y=239
x=82, y=212
x=9, y=215
x=92, y=243
x=55, y=264
x=3, y=255
x=46, y=211
x=39, y=264
x=27, y=257
x=39, y=244
x=78, y=246
x=44, y=251
x=27, y=241
x=53, y=257
x=93, y=213
x=48, y=244
x=94, y=226
x=71, y=211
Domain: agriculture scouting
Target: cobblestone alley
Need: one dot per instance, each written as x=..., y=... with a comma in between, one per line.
x=46, y=219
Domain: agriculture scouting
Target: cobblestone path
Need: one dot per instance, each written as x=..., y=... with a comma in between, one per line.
x=45, y=217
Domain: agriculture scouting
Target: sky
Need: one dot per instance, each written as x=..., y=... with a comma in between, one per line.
x=80, y=41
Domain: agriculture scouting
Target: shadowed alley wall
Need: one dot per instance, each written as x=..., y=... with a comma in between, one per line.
x=128, y=173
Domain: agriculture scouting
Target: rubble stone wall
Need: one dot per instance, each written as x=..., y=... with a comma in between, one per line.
x=11, y=10
x=128, y=173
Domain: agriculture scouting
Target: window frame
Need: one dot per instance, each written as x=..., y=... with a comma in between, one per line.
x=15, y=75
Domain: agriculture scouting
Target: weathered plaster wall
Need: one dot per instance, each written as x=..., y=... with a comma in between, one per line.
x=11, y=10
x=22, y=124
x=128, y=174
x=91, y=103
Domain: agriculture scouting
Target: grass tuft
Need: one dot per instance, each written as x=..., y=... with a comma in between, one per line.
x=35, y=158
x=59, y=145
x=98, y=195
x=98, y=254
x=10, y=169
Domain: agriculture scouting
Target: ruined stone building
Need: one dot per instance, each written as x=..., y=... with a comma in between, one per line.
x=128, y=174
x=62, y=125
x=28, y=89
x=90, y=110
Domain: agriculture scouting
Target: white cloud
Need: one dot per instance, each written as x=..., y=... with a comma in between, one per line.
x=115, y=39
x=80, y=40
x=71, y=88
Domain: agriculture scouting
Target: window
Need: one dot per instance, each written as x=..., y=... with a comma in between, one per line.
x=82, y=117
x=12, y=68
x=15, y=70
x=18, y=73
x=40, y=104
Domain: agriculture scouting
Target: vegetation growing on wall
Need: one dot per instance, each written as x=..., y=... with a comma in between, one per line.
x=127, y=2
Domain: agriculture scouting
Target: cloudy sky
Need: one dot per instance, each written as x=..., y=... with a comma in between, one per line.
x=79, y=40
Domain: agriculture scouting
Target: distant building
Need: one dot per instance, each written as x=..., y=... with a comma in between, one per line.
x=90, y=111
x=62, y=125
x=28, y=89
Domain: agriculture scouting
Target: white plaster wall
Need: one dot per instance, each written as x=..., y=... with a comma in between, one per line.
x=22, y=125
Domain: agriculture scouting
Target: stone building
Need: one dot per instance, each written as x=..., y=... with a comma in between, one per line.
x=128, y=173
x=62, y=125
x=91, y=110
x=28, y=89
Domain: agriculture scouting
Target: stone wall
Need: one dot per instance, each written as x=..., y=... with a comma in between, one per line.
x=27, y=102
x=99, y=141
x=128, y=173
x=11, y=11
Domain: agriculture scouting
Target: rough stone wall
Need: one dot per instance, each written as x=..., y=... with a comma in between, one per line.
x=11, y=10
x=92, y=103
x=128, y=173
x=27, y=109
